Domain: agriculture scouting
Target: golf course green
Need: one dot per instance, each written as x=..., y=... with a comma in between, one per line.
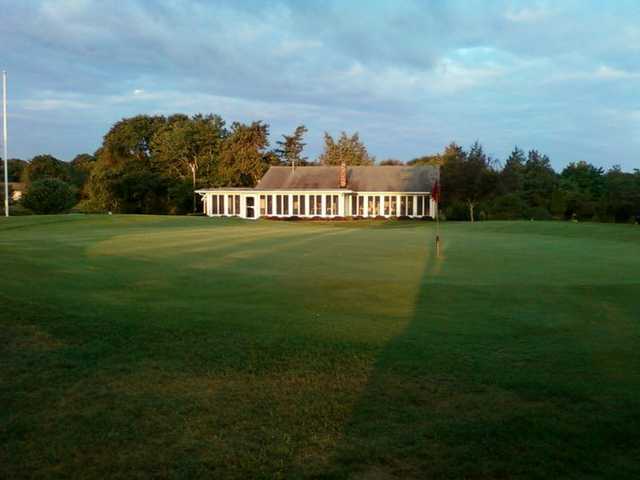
x=189, y=347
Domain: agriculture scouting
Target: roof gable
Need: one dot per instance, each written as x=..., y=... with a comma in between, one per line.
x=359, y=178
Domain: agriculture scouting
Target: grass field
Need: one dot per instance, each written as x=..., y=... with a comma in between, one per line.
x=137, y=346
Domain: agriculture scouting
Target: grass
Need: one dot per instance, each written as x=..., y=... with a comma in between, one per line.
x=141, y=346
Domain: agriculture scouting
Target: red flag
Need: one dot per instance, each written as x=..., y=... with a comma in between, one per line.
x=435, y=192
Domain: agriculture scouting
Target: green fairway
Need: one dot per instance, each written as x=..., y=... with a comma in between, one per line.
x=187, y=347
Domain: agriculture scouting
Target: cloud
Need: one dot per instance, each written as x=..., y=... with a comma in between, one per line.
x=528, y=15
x=410, y=75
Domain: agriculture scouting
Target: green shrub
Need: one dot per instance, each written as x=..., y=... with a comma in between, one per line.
x=89, y=206
x=539, y=213
x=49, y=195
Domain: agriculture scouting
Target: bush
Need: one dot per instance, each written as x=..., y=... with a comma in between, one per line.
x=508, y=207
x=89, y=206
x=49, y=195
x=539, y=213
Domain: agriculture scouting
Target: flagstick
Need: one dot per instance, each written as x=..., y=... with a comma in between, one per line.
x=437, y=232
x=4, y=143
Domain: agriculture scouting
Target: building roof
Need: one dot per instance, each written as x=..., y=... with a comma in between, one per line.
x=359, y=178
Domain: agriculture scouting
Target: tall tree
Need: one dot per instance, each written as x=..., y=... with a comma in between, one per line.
x=467, y=177
x=124, y=177
x=243, y=155
x=512, y=175
x=46, y=166
x=291, y=146
x=540, y=180
x=348, y=149
x=184, y=146
x=15, y=169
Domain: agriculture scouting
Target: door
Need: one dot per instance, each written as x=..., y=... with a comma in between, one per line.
x=250, y=207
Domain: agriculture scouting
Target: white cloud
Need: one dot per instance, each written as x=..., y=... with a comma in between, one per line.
x=527, y=15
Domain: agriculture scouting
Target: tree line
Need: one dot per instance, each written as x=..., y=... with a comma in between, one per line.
x=152, y=164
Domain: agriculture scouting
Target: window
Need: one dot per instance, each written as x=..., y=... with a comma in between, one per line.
x=410, y=199
x=354, y=205
x=221, y=204
x=214, y=205
x=425, y=200
x=318, y=204
x=360, y=205
x=237, y=206
x=296, y=205
x=263, y=205
x=394, y=205
x=278, y=204
x=419, y=208
x=327, y=205
x=374, y=206
x=230, y=203
x=302, y=209
x=387, y=205
x=285, y=204
x=269, y=204
x=334, y=207
x=403, y=206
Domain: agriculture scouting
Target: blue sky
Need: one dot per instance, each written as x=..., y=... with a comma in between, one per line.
x=410, y=76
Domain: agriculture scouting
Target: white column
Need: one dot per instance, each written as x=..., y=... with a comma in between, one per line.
x=208, y=204
x=397, y=205
x=226, y=205
x=433, y=207
x=415, y=205
x=365, y=207
x=341, y=205
x=290, y=212
x=323, y=207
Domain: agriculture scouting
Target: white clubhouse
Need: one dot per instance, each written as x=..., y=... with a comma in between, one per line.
x=330, y=192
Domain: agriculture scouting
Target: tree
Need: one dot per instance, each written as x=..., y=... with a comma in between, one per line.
x=347, y=149
x=467, y=177
x=125, y=158
x=15, y=169
x=243, y=155
x=185, y=146
x=391, y=162
x=129, y=140
x=435, y=160
x=622, y=198
x=512, y=175
x=49, y=195
x=46, y=166
x=585, y=178
x=540, y=180
x=80, y=170
x=290, y=147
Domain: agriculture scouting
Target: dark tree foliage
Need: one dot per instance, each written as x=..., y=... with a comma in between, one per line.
x=527, y=187
x=46, y=166
x=15, y=169
x=468, y=178
x=49, y=195
x=290, y=148
x=348, y=149
x=244, y=158
x=153, y=164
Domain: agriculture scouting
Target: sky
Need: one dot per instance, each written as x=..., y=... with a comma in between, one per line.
x=409, y=76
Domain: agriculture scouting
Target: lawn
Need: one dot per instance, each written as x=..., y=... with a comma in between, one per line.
x=186, y=347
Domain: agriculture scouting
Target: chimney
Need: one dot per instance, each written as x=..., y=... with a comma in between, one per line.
x=343, y=175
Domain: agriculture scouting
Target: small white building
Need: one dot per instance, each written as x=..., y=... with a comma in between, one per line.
x=330, y=192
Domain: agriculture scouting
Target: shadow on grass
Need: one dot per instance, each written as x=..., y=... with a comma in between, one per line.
x=453, y=396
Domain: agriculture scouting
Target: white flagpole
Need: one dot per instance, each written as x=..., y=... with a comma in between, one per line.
x=4, y=143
